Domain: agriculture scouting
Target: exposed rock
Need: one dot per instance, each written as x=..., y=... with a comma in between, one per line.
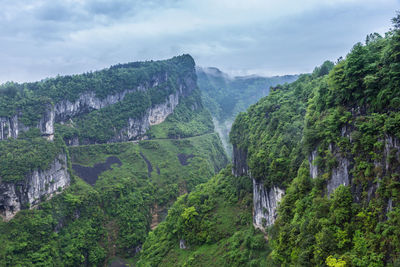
x=88, y=101
x=182, y=244
x=240, y=167
x=160, y=112
x=37, y=185
x=265, y=200
x=9, y=127
x=265, y=204
x=313, y=166
x=340, y=174
x=46, y=123
x=389, y=205
x=392, y=144
x=137, y=127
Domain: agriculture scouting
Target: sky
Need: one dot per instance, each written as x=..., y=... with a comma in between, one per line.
x=40, y=39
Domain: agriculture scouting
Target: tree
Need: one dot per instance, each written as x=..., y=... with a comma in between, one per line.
x=396, y=21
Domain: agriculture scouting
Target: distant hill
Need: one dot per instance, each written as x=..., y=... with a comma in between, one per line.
x=225, y=96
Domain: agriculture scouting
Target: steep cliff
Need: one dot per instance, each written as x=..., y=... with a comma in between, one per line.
x=225, y=96
x=266, y=145
x=124, y=99
x=342, y=204
x=37, y=186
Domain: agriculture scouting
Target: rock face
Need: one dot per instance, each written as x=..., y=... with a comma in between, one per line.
x=182, y=244
x=240, y=167
x=64, y=110
x=137, y=127
x=265, y=204
x=11, y=127
x=46, y=123
x=8, y=127
x=313, y=166
x=265, y=200
x=37, y=185
x=341, y=173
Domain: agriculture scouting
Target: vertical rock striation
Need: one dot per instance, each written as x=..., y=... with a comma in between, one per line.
x=37, y=185
x=265, y=204
x=265, y=200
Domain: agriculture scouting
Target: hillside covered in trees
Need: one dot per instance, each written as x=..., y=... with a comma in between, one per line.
x=330, y=143
x=90, y=163
x=225, y=96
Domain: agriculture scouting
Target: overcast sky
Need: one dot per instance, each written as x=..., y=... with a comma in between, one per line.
x=39, y=39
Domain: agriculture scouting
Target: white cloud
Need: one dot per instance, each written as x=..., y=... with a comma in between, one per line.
x=44, y=38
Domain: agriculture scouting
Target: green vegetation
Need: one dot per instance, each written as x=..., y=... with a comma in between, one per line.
x=19, y=157
x=349, y=113
x=87, y=225
x=190, y=118
x=271, y=130
x=90, y=225
x=226, y=96
x=215, y=223
x=30, y=99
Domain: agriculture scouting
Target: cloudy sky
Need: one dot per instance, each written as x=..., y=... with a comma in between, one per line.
x=41, y=38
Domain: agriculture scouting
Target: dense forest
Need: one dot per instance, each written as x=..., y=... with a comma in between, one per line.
x=115, y=193
x=146, y=180
x=330, y=140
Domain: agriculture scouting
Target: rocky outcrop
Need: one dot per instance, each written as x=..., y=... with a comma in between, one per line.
x=265, y=200
x=46, y=123
x=265, y=204
x=65, y=109
x=137, y=127
x=240, y=167
x=182, y=244
x=313, y=167
x=38, y=185
x=160, y=112
x=341, y=173
x=11, y=127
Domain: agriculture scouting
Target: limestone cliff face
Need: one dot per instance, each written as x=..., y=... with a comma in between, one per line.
x=240, y=167
x=12, y=127
x=137, y=127
x=9, y=127
x=340, y=174
x=37, y=185
x=265, y=204
x=265, y=200
x=65, y=110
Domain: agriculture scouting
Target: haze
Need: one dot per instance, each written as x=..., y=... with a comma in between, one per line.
x=40, y=39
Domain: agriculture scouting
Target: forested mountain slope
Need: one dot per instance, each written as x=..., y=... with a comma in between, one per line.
x=331, y=144
x=322, y=158
x=79, y=182
x=225, y=96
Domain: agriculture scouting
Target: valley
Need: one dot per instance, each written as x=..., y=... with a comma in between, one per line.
x=162, y=163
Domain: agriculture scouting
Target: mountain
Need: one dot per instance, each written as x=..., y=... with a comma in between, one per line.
x=225, y=96
x=90, y=163
x=315, y=175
